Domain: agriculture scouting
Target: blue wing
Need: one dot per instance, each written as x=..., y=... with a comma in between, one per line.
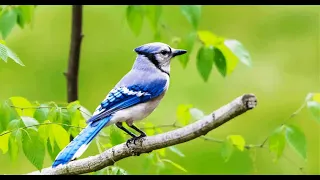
x=123, y=97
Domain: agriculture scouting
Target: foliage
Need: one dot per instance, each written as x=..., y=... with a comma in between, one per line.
x=47, y=126
x=6, y=52
x=214, y=50
x=111, y=170
x=313, y=104
x=278, y=139
x=10, y=15
x=37, y=129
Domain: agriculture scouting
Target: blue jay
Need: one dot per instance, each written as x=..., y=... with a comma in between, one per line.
x=135, y=97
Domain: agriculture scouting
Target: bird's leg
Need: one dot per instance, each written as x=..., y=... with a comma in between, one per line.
x=119, y=125
x=142, y=134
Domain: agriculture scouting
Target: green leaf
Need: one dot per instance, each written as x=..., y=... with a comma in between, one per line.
x=227, y=149
x=174, y=164
x=205, y=58
x=41, y=114
x=8, y=19
x=5, y=115
x=176, y=151
x=238, y=141
x=153, y=13
x=220, y=62
x=76, y=115
x=196, y=113
x=183, y=113
x=33, y=148
x=208, y=38
x=3, y=53
x=61, y=136
x=25, y=14
x=239, y=51
x=277, y=142
x=14, y=56
x=115, y=170
x=100, y=172
x=186, y=43
x=17, y=134
x=65, y=118
x=135, y=18
x=52, y=115
x=44, y=131
x=13, y=147
x=230, y=59
x=314, y=108
x=73, y=106
x=53, y=151
x=116, y=136
x=78, y=121
x=20, y=102
x=226, y=51
x=192, y=13
x=56, y=114
x=59, y=115
x=51, y=135
x=29, y=121
x=15, y=124
x=4, y=138
x=295, y=137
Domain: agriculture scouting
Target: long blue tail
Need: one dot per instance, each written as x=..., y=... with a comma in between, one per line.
x=80, y=143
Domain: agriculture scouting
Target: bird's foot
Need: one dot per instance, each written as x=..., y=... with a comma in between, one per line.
x=134, y=139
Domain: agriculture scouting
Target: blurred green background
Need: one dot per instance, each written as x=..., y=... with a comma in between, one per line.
x=282, y=40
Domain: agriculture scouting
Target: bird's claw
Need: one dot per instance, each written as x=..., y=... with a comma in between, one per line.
x=134, y=139
x=129, y=141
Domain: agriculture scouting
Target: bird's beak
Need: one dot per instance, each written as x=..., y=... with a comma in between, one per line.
x=178, y=52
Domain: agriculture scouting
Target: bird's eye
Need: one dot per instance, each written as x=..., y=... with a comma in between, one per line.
x=164, y=52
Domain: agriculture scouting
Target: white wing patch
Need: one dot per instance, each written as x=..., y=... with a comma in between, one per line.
x=130, y=92
x=124, y=90
x=96, y=111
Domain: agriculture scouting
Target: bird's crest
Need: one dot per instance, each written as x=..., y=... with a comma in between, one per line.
x=151, y=48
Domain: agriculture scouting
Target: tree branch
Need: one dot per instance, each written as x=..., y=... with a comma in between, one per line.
x=74, y=54
x=201, y=127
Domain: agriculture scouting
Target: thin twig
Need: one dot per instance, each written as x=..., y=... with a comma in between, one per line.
x=49, y=107
x=249, y=146
x=36, y=107
x=295, y=113
x=41, y=124
x=285, y=120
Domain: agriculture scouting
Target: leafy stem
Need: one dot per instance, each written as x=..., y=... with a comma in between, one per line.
x=285, y=120
x=41, y=124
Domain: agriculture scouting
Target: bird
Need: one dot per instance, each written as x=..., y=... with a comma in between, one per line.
x=132, y=99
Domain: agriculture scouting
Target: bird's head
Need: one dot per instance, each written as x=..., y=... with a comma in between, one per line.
x=159, y=54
